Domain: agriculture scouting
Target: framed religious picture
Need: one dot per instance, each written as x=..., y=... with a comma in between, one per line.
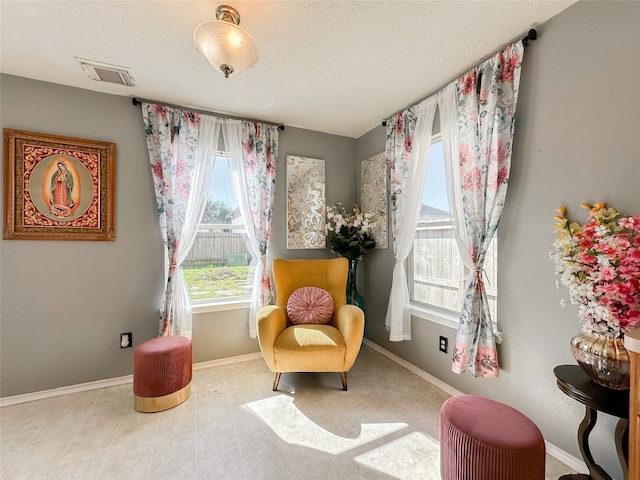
x=58, y=188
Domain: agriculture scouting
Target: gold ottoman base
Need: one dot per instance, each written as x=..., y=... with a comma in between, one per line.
x=165, y=402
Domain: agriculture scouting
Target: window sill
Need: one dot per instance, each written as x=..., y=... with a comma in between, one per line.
x=436, y=316
x=220, y=306
x=444, y=318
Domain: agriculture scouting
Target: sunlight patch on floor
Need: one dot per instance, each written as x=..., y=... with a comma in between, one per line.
x=294, y=427
x=413, y=457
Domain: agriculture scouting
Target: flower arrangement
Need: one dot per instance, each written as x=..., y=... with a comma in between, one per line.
x=599, y=262
x=350, y=231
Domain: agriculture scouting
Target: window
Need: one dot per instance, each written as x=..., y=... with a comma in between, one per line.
x=218, y=267
x=436, y=274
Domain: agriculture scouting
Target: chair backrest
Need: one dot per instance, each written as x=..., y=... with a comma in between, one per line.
x=328, y=274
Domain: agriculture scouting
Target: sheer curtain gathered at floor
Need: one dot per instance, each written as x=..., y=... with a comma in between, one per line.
x=254, y=151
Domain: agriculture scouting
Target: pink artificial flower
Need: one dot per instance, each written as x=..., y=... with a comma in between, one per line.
x=632, y=223
x=634, y=255
x=607, y=273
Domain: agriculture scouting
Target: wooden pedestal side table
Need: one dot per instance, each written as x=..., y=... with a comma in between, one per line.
x=575, y=383
x=632, y=344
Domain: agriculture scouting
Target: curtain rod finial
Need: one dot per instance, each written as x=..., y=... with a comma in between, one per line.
x=531, y=35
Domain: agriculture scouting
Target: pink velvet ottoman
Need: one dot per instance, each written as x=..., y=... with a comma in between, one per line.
x=162, y=369
x=481, y=439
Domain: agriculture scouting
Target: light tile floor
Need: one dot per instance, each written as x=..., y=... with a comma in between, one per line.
x=235, y=427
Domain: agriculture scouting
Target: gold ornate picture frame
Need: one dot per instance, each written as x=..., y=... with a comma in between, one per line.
x=58, y=188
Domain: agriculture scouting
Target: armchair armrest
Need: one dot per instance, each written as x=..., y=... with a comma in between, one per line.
x=271, y=321
x=349, y=319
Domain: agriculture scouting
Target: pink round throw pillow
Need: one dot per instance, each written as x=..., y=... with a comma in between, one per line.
x=310, y=305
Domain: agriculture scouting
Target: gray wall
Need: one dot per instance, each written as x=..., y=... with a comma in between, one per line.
x=577, y=140
x=61, y=326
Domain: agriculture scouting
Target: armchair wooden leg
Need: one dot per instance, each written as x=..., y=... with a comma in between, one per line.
x=343, y=377
x=276, y=380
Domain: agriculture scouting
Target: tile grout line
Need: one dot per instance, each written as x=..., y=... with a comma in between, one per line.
x=113, y=438
x=73, y=436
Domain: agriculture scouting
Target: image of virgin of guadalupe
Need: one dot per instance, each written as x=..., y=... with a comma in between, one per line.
x=61, y=202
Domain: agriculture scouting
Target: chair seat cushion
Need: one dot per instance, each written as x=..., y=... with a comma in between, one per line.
x=304, y=348
x=310, y=305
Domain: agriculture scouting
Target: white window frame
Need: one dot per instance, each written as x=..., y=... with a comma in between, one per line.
x=220, y=304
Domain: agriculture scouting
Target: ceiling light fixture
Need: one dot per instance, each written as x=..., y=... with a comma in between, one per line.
x=229, y=48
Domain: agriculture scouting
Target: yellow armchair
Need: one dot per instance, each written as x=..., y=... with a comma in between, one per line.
x=310, y=348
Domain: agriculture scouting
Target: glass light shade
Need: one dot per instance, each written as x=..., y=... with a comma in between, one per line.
x=224, y=43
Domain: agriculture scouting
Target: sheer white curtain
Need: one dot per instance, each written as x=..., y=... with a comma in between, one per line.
x=407, y=154
x=254, y=150
x=202, y=178
x=448, y=109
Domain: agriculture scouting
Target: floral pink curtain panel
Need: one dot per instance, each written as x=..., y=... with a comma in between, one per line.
x=172, y=141
x=487, y=97
x=477, y=117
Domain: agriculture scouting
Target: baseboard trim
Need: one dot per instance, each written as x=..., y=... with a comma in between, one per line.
x=227, y=361
x=57, y=392
x=112, y=382
x=569, y=460
x=556, y=452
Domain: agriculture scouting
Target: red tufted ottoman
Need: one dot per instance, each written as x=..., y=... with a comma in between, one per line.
x=481, y=439
x=162, y=371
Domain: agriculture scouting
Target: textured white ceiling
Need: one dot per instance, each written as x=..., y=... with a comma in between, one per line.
x=331, y=66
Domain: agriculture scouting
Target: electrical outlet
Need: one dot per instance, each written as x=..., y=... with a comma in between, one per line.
x=126, y=340
x=444, y=343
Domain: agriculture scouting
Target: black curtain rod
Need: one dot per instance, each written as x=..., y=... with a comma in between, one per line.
x=530, y=36
x=137, y=102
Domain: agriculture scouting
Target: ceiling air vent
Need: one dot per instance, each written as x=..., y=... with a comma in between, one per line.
x=103, y=72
